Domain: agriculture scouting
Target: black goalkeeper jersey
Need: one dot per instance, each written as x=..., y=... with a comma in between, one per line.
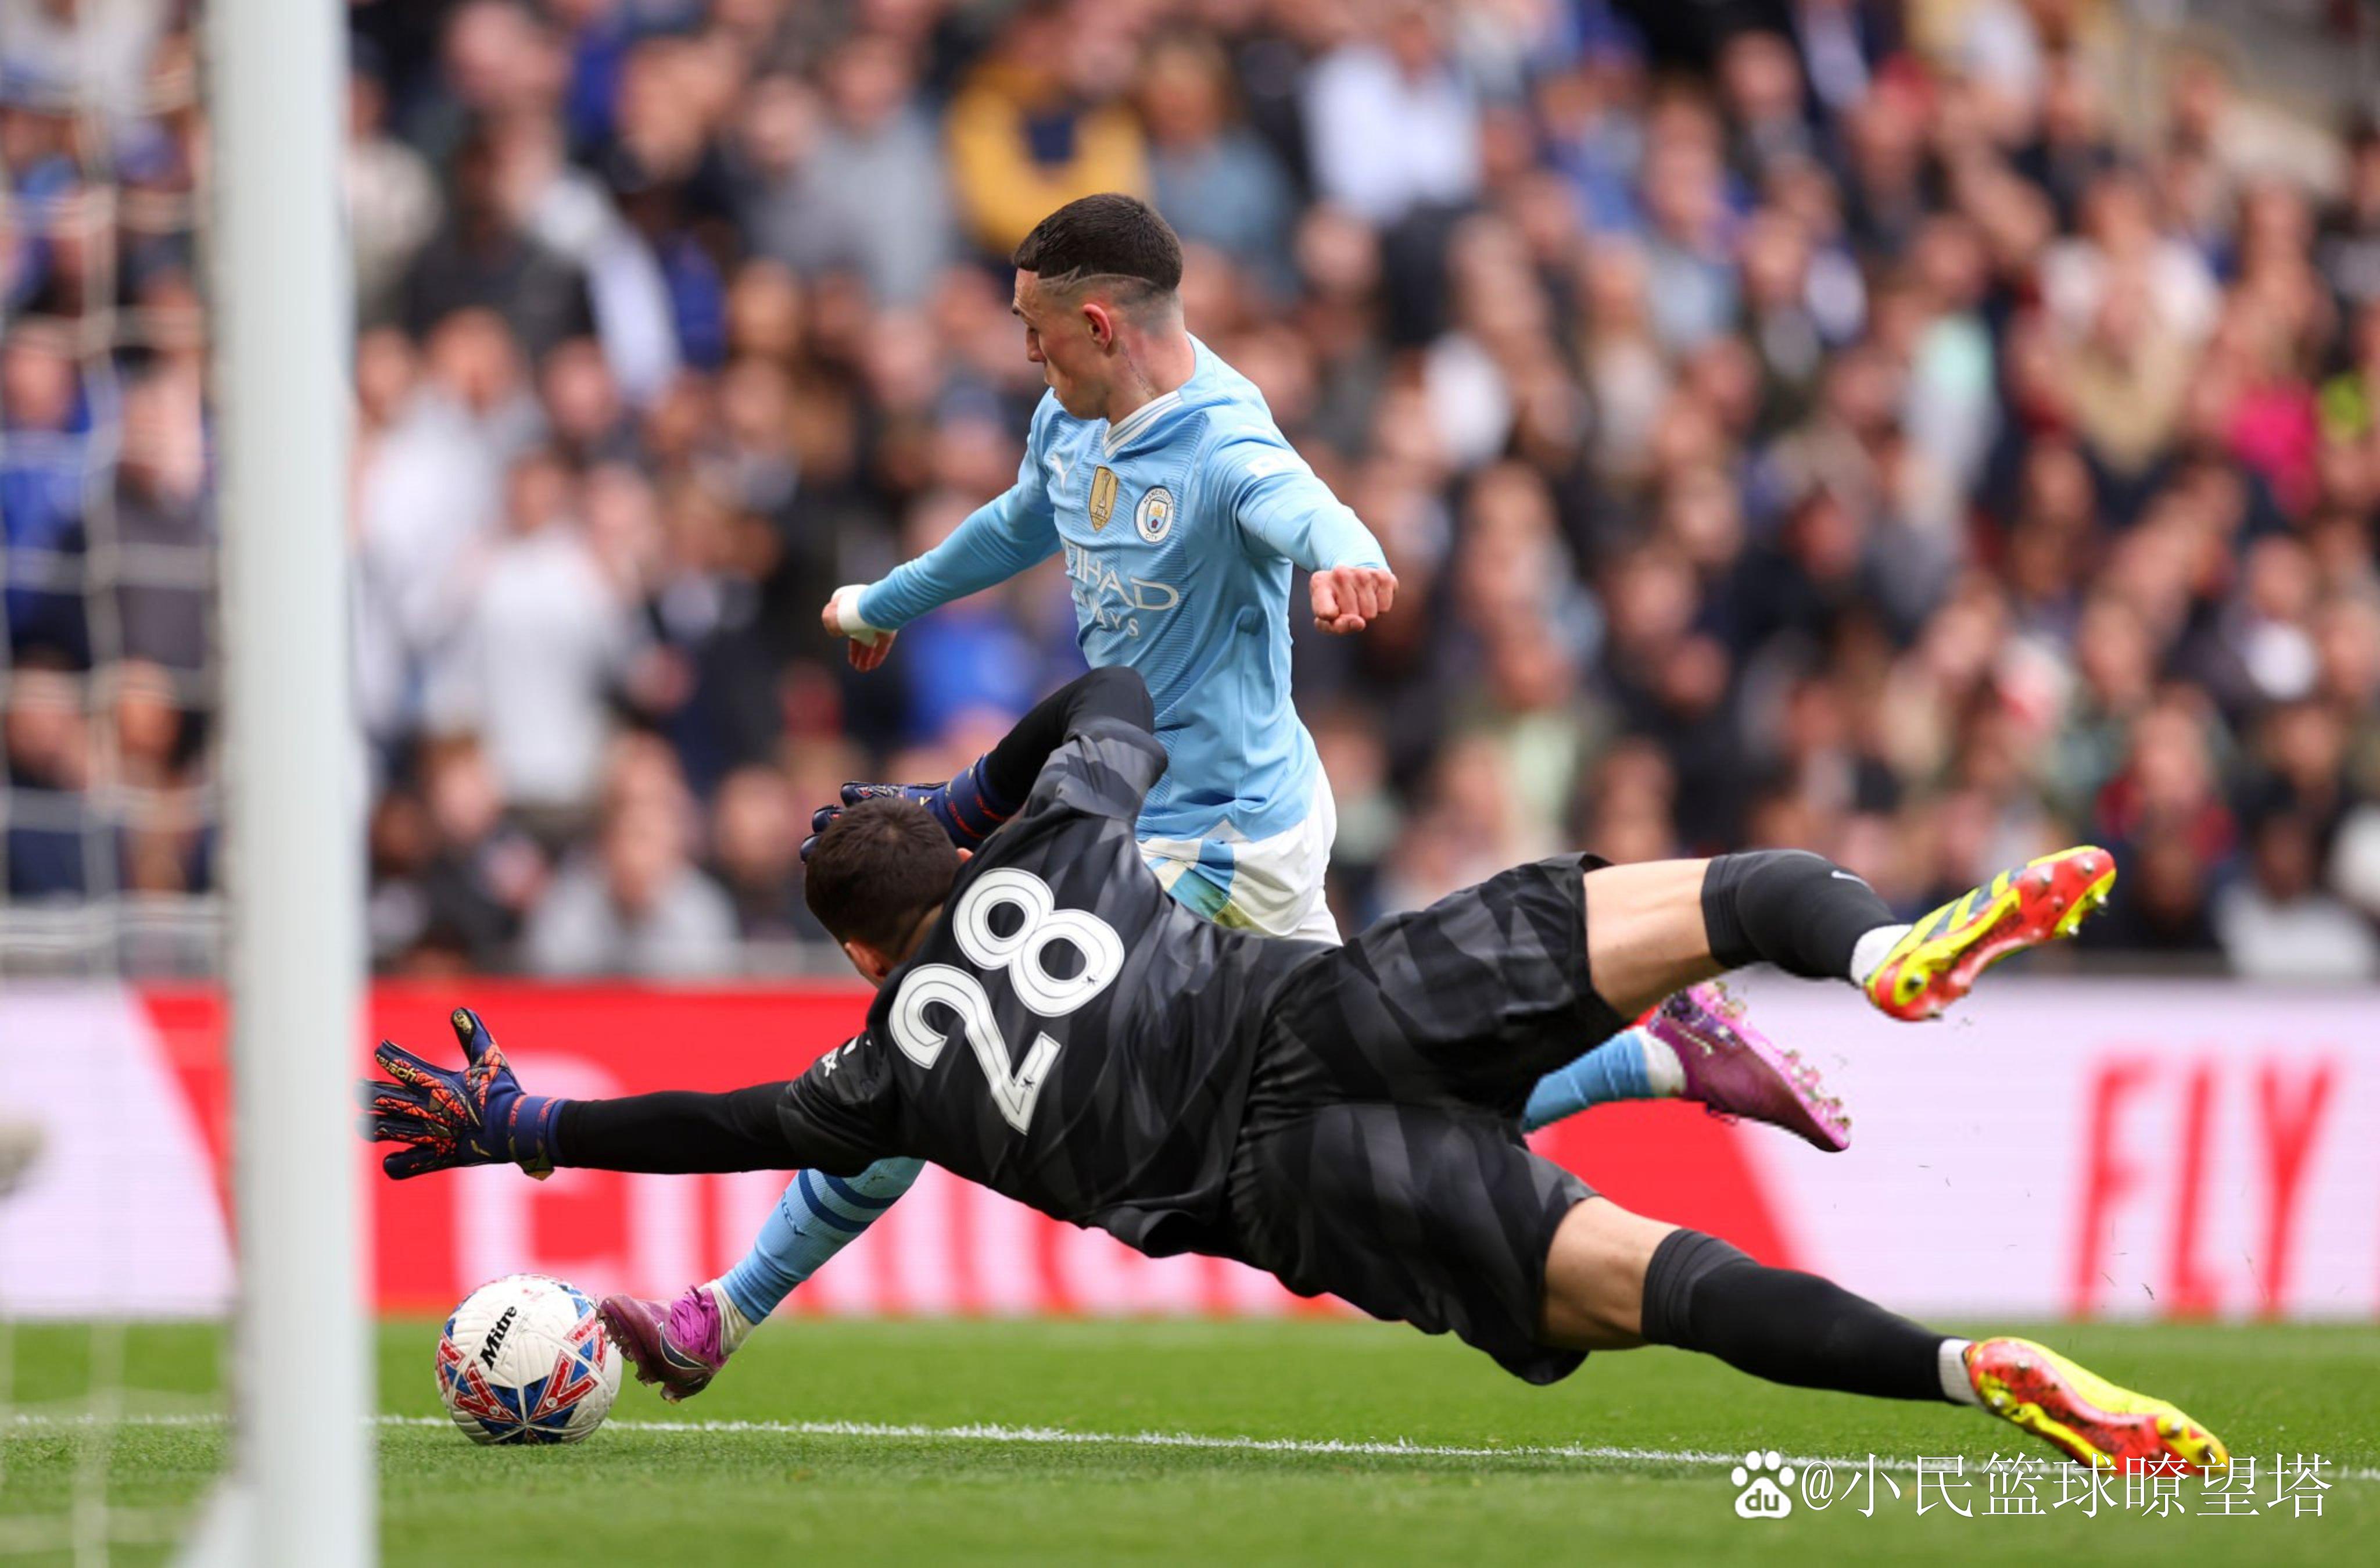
x=1066, y=1034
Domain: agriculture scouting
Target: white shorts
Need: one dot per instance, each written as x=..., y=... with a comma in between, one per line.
x=1273, y=885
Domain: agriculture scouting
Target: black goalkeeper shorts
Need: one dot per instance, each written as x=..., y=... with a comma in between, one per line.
x=1380, y=1158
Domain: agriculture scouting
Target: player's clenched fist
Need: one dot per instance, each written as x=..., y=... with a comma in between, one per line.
x=1348, y=599
x=840, y=617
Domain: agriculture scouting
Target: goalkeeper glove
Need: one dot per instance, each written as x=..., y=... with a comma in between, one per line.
x=967, y=810
x=478, y=1116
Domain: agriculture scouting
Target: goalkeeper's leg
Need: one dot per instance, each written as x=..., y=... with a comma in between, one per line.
x=1654, y=929
x=1658, y=927
x=1615, y=1280
x=1695, y=1047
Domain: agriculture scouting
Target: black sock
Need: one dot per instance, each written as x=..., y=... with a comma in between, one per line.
x=1701, y=1294
x=1798, y=910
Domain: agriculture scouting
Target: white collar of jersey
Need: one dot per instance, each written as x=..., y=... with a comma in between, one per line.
x=1139, y=419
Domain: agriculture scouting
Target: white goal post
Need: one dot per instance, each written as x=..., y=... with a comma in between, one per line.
x=301, y=1486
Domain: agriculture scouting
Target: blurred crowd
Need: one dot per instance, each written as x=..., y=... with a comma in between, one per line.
x=1927, y=433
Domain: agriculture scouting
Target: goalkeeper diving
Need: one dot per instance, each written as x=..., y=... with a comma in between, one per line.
x=1049, y=1023
x=1181, y=511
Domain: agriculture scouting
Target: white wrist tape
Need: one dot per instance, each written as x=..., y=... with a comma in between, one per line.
x=846, y=615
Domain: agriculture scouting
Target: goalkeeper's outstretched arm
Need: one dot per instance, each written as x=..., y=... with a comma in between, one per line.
x=679, y=1131
x=480, y=1115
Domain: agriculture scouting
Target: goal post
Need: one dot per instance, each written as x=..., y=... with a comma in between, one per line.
x=282, y=327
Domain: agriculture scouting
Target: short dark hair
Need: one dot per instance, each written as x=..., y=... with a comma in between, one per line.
x=1111, y=235
x=877, y=870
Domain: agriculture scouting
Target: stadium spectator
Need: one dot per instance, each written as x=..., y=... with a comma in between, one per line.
x=635, y=904
x=394, y=204
x=484, y=255
x=865, y=188
x=87, y=55
x=542, y=640
x=1225, y=183
x=164, y=508
x=1934, y=433
x=44, y=424
x=2277, y=924
x=1040, y=119
x=2350, y=248
x=52, y=840
x=1394, y=124
x=756, y=840
x=483, y=873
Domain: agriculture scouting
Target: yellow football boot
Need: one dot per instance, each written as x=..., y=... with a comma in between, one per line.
x=1937, y=960
x=2084, y=1416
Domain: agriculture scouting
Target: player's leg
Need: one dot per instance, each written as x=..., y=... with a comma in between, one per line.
x=1614, y=1280
x=681, y=1345
x=1424, y=1214
x=1697, y=1046
x=818, y=1216
x=1656, y=928
x=1436, y=1217
x=1651, y=937
x=1934, y=961
x=1490, y=995
x=1694, y=1047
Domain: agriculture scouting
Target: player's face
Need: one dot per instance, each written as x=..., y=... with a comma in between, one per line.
x=1057, y=338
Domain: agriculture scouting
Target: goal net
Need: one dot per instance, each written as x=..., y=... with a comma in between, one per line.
x=176, y=824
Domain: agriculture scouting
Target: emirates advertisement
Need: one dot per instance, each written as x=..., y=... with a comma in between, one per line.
x=2169, y=1149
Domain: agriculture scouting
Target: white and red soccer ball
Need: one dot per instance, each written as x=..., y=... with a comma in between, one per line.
x=525, y=1359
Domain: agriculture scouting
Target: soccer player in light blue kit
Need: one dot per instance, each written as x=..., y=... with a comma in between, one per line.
x=1157, y=471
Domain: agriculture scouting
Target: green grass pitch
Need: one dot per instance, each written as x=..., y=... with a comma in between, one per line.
x=955, y=1485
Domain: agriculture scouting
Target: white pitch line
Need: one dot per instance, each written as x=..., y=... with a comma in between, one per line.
x=993, y=1433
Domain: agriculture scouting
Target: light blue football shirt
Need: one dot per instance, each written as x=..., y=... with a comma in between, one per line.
x=1180, y=524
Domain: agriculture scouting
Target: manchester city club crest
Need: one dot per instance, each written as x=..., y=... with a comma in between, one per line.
x=1103, y=495
x=1154, y=515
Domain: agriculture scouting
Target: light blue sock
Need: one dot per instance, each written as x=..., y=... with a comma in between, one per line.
x=819, y=1216
x=1614, y=1070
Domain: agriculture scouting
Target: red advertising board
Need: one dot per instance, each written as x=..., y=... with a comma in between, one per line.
x=2059, y=1147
